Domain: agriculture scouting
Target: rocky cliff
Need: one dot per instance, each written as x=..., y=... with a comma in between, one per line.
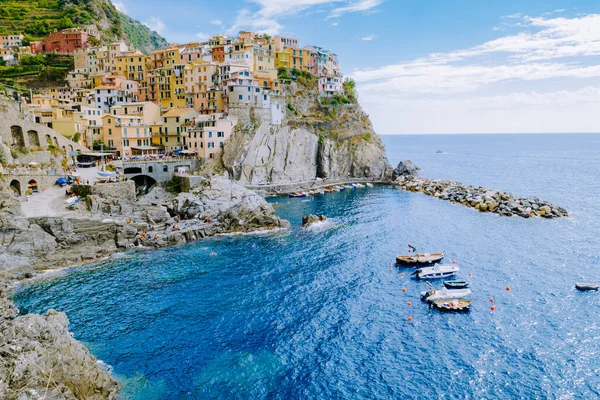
x=313, y=140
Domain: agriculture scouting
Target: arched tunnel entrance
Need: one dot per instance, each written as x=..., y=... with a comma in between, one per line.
x=15, y=186
x=143, y=184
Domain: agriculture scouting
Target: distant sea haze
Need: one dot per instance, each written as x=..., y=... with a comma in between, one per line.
x=321, y=314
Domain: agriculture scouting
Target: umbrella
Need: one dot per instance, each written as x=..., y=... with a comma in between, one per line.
x=61, y=181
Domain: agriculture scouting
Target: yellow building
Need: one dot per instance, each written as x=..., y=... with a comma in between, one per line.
x=283, y=59
x=135, y=66
x=172, y=133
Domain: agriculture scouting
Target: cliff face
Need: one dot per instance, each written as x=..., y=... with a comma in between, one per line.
x=312, y=141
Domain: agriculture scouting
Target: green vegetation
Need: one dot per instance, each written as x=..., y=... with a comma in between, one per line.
x=3, y=159
x=38, y=18
x=304, y=78
x=349, y=87
x=38, y=70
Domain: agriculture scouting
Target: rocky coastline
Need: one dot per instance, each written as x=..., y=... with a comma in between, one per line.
x=479, y=198
x=39, y=358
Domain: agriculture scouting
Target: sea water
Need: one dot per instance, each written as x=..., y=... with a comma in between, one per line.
x=319, y=313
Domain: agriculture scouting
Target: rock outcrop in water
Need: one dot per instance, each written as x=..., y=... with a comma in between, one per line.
x=40, y=359
x=311, y=219
x=482, y=199
x=311, y=141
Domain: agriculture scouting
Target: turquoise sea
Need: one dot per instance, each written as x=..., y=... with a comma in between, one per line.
x=319, y=314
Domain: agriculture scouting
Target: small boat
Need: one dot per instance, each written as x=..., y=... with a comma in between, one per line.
x=586, y=287
x=72, y=201
x=104, y=176
x=336, y=189
x=340, y=188
x=370, y=185
x=456, y=284
x=445, y=294
x=455, y=305
x=419, y=259
x=439, y=152
x=349, y=186
x=298, y=194
x=360, y=186
x=327, y=190
x=319, y=191
x=436, y=272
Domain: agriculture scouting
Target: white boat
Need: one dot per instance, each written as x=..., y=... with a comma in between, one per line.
x=103, y=176
x=445, y=294
x=360, y=185
x=436, y=272
x=370, y=185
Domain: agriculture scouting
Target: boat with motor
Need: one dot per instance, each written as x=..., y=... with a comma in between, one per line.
x=455, y=305
x=298, y=194
x=586, y=287
x=419, y=259
x=350, y=186
x=436, y=272
x=341, y=188
x=456, y=284
x=328, y=190
x=445, y=294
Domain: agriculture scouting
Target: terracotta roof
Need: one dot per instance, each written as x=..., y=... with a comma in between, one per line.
x=177, y=112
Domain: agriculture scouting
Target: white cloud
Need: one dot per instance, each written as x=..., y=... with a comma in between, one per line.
x=203, y=37
x=120, y=5
x=155, y=24
x=505, y=85
x=265, y=19
x=356, y=6
x=369, y=38
x=217, y=22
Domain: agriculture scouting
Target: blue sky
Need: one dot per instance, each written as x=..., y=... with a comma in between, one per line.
x=436, y=66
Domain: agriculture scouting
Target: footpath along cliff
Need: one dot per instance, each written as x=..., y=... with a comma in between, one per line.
x=304, y=137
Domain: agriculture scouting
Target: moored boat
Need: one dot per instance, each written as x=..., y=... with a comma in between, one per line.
x=419, y=259
x=452, y=305
x=436, y=272
x=445, y=294
x=328, y=190
x=370, y=185
x=298, y=194
x=359, y=185
x=586, y=287
x=456, y=284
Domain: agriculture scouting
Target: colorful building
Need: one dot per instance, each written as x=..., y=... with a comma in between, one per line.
x=68, y=40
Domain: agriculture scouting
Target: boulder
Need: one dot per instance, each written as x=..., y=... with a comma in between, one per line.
x=405, y=168
x=308, y=220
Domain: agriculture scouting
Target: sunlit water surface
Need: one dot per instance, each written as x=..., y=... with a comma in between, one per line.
x=320, y=314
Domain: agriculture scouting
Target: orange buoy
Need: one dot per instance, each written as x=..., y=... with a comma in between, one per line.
x=491, y=299
x=409, y=303
x=403, y=289
x=470, y=275
x=410, y=319
x=402, y=274
x=492, y=308
x=390, y=265
x=508, y=288
x=291, y=275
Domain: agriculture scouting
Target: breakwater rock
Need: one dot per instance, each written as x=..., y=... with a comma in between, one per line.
x=39, y=358
x=482, y=199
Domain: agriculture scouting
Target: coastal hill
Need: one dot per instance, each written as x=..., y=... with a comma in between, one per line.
x=37, y=19
x=317, y=137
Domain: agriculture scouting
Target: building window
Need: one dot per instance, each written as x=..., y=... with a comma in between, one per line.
x=165, y=168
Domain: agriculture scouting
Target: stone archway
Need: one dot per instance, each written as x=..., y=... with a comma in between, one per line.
x=15, y=186
x=143, y=184
x=34, y=139
x=18, y=140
